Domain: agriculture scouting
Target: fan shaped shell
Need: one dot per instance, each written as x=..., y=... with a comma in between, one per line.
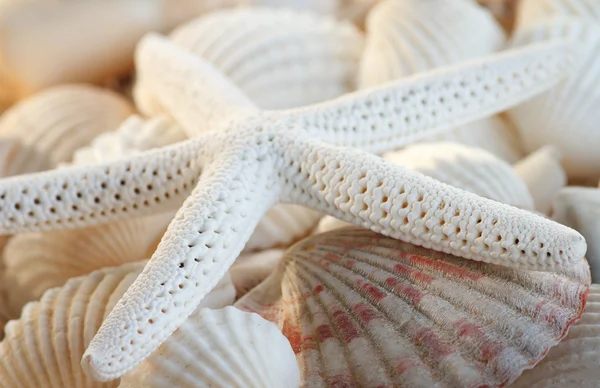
x=280, y=59
x=225, y=348
x=365, y=310
x=574, y=362
x=467, y=168
x=48, y=127
x=567, y=115
x=532, y=11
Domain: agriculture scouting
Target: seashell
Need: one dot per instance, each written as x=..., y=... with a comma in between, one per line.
x=365, y=310
x=467, y=168
x=411, y=36
x=250, y=270
x=574, y=361
x=51, y=43
x=48, y=127
x=532, y=11
x=579, y=208
x=44, y=348
x=544, y=176
x=278, y=58
x=225, y=348
x=317, y=6
x=329, y=223
x=36, y=262
x=566, y=116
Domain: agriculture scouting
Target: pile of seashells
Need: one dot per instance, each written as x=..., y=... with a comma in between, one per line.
x=299, y=193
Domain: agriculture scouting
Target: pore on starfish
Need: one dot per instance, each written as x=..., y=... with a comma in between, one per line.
x=252, y=160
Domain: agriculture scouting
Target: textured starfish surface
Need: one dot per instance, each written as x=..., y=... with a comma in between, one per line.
x=252, y=160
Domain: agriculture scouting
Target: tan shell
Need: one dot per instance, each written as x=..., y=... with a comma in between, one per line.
x=574, y=362
x=365, y=310
x=48, y=127
x=225, y=348
x=249, y=270
x=44, y=348
x=532, y=11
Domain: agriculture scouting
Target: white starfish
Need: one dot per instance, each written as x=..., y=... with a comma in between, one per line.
x=254, y=159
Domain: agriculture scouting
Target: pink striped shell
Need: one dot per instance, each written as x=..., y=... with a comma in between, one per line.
x=364, y=310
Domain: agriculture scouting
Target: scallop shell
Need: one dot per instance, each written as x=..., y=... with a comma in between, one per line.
x=364, y=310
x=567, y=115
x=36, y=262
x=410, y=36
x=574, y=361
x=48, y=127
x=579, y=208
x=532, y=11
x=544, y=176
x=44, y=348
x=225, y=348
x=250, y=270
x=467, y=168
x=280, y=59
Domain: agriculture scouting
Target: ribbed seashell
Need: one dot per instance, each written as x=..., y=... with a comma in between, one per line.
x=579, y=208
x=532, y=11
x=329, y=223
x=225, y=348
x=574, y=362
x=471, y=169
x=567, y=115
x=280, y=59
x=45, y=346
x=49, y=126
x=249, y=270
x=544, y=176
x=36, y=262
x=410, y=36
x=365, y=310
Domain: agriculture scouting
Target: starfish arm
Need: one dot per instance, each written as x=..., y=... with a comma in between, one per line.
x=81, y=196
x=368, y=191
x=402, y=112
x=202, y=242
x=194, y=92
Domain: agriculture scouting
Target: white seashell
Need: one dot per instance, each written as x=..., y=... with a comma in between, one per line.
x=225, y=348
x=532, y=11
x=468, y=168
x=250, y=270
x=411, y=36
x=278, y=58
x=574, y=361
x=329, y=223
x=544, y=176
x=318, y=6
x=36, y=262
x=567, y=115
x=365, y=310
x=579, y=208
x=48, y=127
x=44, y=348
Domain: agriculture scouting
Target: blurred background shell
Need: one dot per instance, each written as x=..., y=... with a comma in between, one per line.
x=48, y=127
x=567, y=116
x=365, y=310
x=250, y=269
x=532, y=11
x=225, y=348
x=574, y=361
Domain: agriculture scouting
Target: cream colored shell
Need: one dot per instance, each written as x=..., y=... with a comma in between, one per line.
x=249, y=270
x=532, y=11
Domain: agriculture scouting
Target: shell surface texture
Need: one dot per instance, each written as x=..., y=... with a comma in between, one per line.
x=532, y=11
x=364, y=310
x=255, y=159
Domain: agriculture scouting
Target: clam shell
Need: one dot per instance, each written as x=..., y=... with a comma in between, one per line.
x=48, y=127
x=36, y=262
x=410, y=36
x=574, y=361
x=468, y=168
x=225, y=348
x=280, y=59
x=364, y=310
x=250, y=270
x=45, y=346
x=579, y=208
x=567, y=115
x=532, y=11
x=544, y=176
